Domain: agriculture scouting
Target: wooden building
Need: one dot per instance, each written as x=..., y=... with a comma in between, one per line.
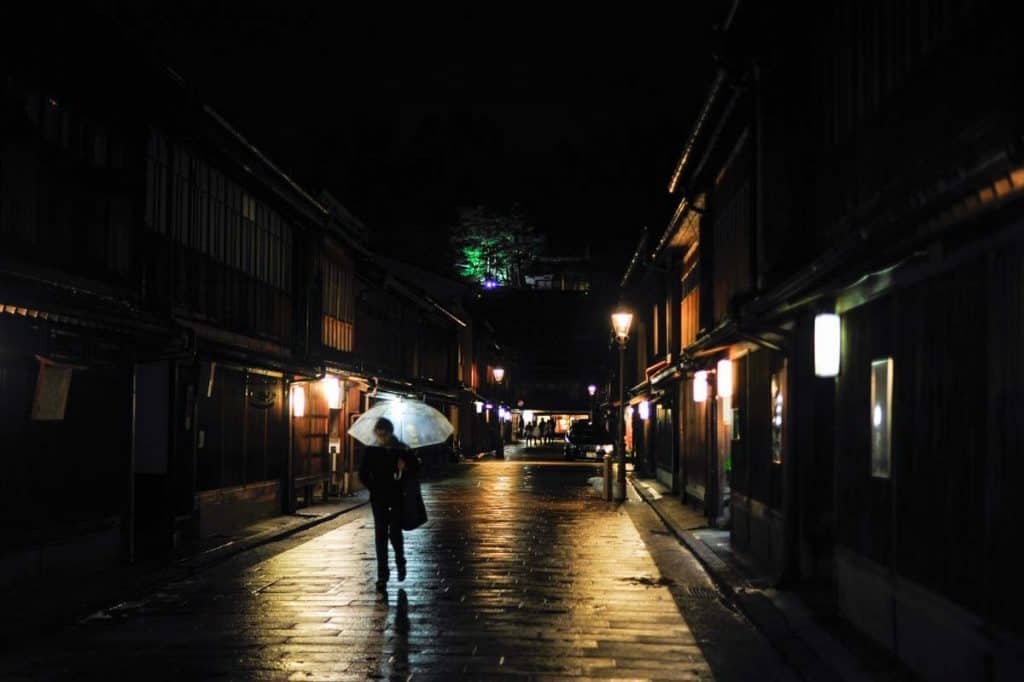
x=186, y=333
x=849, y=195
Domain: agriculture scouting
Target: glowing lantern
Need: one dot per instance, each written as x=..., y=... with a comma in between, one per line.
x=298, y=400
x=332, y=389
x=725, y=378
x=645, y=410
x=700, y=387
x=826, y=345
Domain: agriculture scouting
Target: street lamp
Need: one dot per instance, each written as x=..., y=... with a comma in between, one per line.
x=591, y=389
x=621, y=321
x=499, y=373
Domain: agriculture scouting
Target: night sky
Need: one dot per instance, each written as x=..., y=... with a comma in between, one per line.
x=404, y=117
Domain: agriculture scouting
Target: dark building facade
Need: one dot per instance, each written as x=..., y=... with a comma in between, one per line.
x=186, y=334
x=840, y=278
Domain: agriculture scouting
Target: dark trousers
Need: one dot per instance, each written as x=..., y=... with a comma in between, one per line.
x=387, y=523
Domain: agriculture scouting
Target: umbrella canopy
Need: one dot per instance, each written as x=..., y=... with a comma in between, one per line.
x=416, y=423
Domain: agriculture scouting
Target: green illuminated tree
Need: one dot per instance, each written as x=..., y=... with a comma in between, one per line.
x=494, y=245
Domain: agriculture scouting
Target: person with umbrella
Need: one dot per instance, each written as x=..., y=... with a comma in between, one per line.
x=382, y=469
x=392, y=430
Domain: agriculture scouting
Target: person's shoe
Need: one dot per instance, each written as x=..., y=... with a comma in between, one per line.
x=401, y=572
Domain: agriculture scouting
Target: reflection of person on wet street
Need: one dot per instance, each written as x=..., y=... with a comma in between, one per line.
x=380, y=471
x=400, y=653
x=402, y=623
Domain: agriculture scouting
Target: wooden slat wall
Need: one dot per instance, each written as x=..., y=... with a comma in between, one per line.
x=1003, y=457
x=732, y=228
x=216, y=292
x=62, y=208
x=690, y=318
x=338, y=303
x=864, y=504
x=244, y=443
x=51, y=475
x=310, y=435
x=695, y=438
x=754, y=398
x=945, y=518
x=337, y=334
x=663, y=435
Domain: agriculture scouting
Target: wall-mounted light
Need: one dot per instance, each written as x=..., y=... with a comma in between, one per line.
x=826, y=345
x=499, y=374
x=645, y=410
x=881, y=417
x=298, y=400
x=725, y=378
x=489, y=406
x=479, y=406
x=332, y=390
x=591, y=389
x=777, y=414
x=700, y=386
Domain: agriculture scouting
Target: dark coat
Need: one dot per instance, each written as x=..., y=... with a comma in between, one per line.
x=380, y=464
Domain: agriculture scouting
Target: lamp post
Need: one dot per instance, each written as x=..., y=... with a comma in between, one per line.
x=592, y=390
x=499, y=374
x=621, y=321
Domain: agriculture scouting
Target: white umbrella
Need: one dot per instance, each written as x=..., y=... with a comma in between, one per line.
x=416, y=424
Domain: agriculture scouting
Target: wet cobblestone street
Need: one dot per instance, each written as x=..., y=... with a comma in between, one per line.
x=522, y=572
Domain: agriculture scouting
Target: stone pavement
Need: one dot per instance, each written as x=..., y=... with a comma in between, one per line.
x=268, y=530
x=814, y=649
x=522, y=572
x=47, y=604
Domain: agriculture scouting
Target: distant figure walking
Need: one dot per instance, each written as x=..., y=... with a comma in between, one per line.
x=380, y=471
x=549, y=431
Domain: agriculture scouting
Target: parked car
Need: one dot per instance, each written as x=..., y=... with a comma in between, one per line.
x=584, y=438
